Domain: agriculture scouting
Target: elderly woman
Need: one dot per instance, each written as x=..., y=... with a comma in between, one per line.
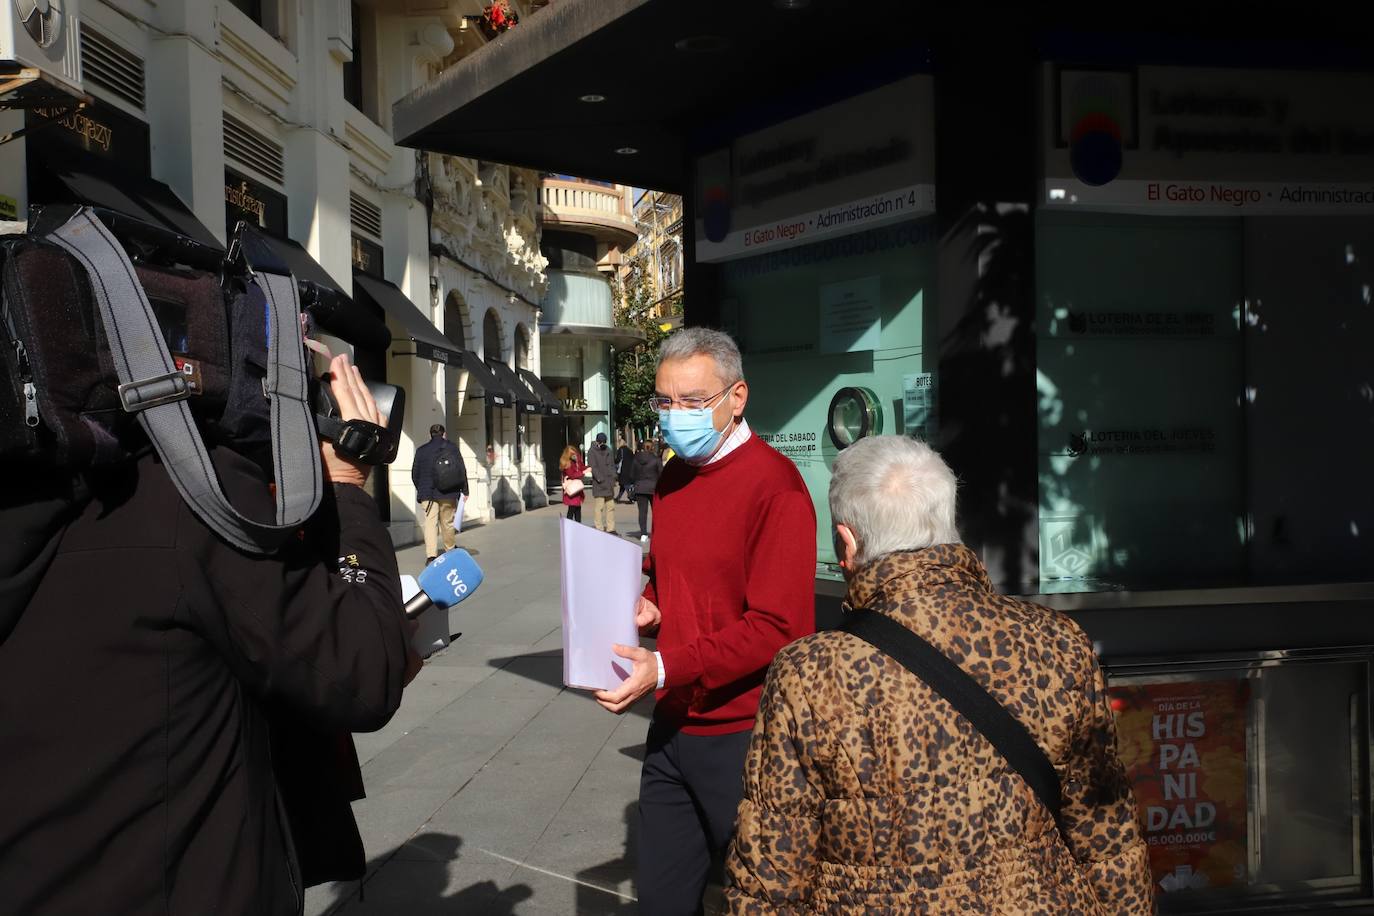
x=865, y=790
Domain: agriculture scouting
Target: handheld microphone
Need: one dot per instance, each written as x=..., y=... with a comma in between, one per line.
x=452, y=577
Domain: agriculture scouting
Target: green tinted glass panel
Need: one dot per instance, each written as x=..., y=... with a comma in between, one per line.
x=813, y=320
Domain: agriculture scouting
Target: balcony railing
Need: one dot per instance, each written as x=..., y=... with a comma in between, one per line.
x=586, y=206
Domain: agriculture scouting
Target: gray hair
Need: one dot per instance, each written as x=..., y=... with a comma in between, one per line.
x=895, y=493
x=705, y=342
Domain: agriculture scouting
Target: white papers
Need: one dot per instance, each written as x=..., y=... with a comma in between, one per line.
x=601, y=588
x=458, y=512
x=431, y=634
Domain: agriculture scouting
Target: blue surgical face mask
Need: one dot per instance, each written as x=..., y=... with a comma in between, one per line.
x=692, y=434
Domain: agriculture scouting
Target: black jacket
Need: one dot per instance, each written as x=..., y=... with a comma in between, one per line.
x=647, y=467
x=624, y=463
x=422, y=471
x=135, y=690
x=601, y=460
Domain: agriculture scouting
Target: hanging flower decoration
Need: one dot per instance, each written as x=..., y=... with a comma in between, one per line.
x=498, y=17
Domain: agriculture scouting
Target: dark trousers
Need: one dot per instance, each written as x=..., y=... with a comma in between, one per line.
x=644, y=513
x=575, y=513
x=689, y=790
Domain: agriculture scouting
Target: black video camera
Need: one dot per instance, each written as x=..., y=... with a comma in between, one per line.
x=357, y=440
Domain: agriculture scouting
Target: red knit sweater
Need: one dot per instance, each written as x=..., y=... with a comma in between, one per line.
x=732, y=566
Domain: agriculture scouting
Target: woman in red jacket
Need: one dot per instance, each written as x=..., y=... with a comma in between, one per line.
x=573, y=468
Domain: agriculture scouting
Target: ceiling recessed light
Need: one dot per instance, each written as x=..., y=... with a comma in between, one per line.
x=791, y=4
x=627, y=151
x=591, y=97
x=702, y=44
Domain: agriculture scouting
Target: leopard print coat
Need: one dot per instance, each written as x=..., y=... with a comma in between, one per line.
x=866, y=792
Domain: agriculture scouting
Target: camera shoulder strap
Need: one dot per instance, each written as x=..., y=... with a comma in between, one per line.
x=1003, y=730
x=153, y=388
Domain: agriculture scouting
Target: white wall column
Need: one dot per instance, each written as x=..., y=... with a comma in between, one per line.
x=185, y=112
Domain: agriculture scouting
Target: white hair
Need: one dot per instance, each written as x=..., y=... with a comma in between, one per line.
x=894, y=493
x=718, y=345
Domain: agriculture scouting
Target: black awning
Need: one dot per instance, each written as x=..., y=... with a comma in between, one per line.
x=429, y=342
x=303, y=265
x=523, y=396
x=103, y=184
x=552, y=406
x=332, y=308
x=498, y=394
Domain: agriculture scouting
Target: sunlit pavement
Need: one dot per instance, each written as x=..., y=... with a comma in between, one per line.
x=495, y=790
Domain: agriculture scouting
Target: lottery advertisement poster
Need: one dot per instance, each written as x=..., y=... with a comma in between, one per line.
x=1184, y=746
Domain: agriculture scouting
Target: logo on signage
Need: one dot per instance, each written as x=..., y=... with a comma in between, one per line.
x=1096, y=109
x=93, y=133
x=574, y=403
x=242, y=198
x=362, y=258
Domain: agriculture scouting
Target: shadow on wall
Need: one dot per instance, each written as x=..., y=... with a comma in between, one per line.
x=418, y=879
x=535, y=495
x=402, y=514
x=505, y=502
x=987, y=386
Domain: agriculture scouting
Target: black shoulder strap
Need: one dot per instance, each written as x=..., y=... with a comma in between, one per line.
x=967, y=696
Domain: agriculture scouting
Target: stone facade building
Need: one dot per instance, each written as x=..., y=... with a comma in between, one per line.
x=279, y=112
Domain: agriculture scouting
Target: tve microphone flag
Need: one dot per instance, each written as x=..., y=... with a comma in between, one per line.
x=452, y=577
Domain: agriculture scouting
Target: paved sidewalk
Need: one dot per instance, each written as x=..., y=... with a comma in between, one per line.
x=494, y=790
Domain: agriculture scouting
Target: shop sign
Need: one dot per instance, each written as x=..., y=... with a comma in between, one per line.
x=254, y=203
x=99, y=130
x=367, y=256
x=1180, y=440
x=574, y=403
x=1212, y=142
x=800, y=445
x=1185, y=750
x=1214, y=198
x=840, y=169
x=918, y=405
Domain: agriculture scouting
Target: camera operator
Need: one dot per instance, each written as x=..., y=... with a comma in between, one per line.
x=141, y=665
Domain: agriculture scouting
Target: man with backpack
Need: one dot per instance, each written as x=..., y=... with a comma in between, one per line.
x=440, y=478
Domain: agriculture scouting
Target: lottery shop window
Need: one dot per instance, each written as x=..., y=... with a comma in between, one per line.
x=1251, y=780
x=1205, y=413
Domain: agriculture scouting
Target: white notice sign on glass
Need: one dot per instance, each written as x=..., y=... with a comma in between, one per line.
x=850, y=316
x=602, y=582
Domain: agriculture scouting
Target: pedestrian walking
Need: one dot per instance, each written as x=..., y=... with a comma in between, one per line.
x=731, y=567
x=624, y=469
x=646, y=468
x=873, y=787
x=601, y=460
x=440, y=478
x=570, y=463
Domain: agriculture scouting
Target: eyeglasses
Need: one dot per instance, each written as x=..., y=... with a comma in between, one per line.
x=657, y=403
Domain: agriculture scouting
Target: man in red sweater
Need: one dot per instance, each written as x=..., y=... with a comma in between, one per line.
x=731, y=574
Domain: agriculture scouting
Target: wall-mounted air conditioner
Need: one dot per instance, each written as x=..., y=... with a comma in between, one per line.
x=44, y=35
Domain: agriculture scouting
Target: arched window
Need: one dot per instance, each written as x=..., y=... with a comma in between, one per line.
x=522, y=347
x=492, y=351
x=455, y=320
